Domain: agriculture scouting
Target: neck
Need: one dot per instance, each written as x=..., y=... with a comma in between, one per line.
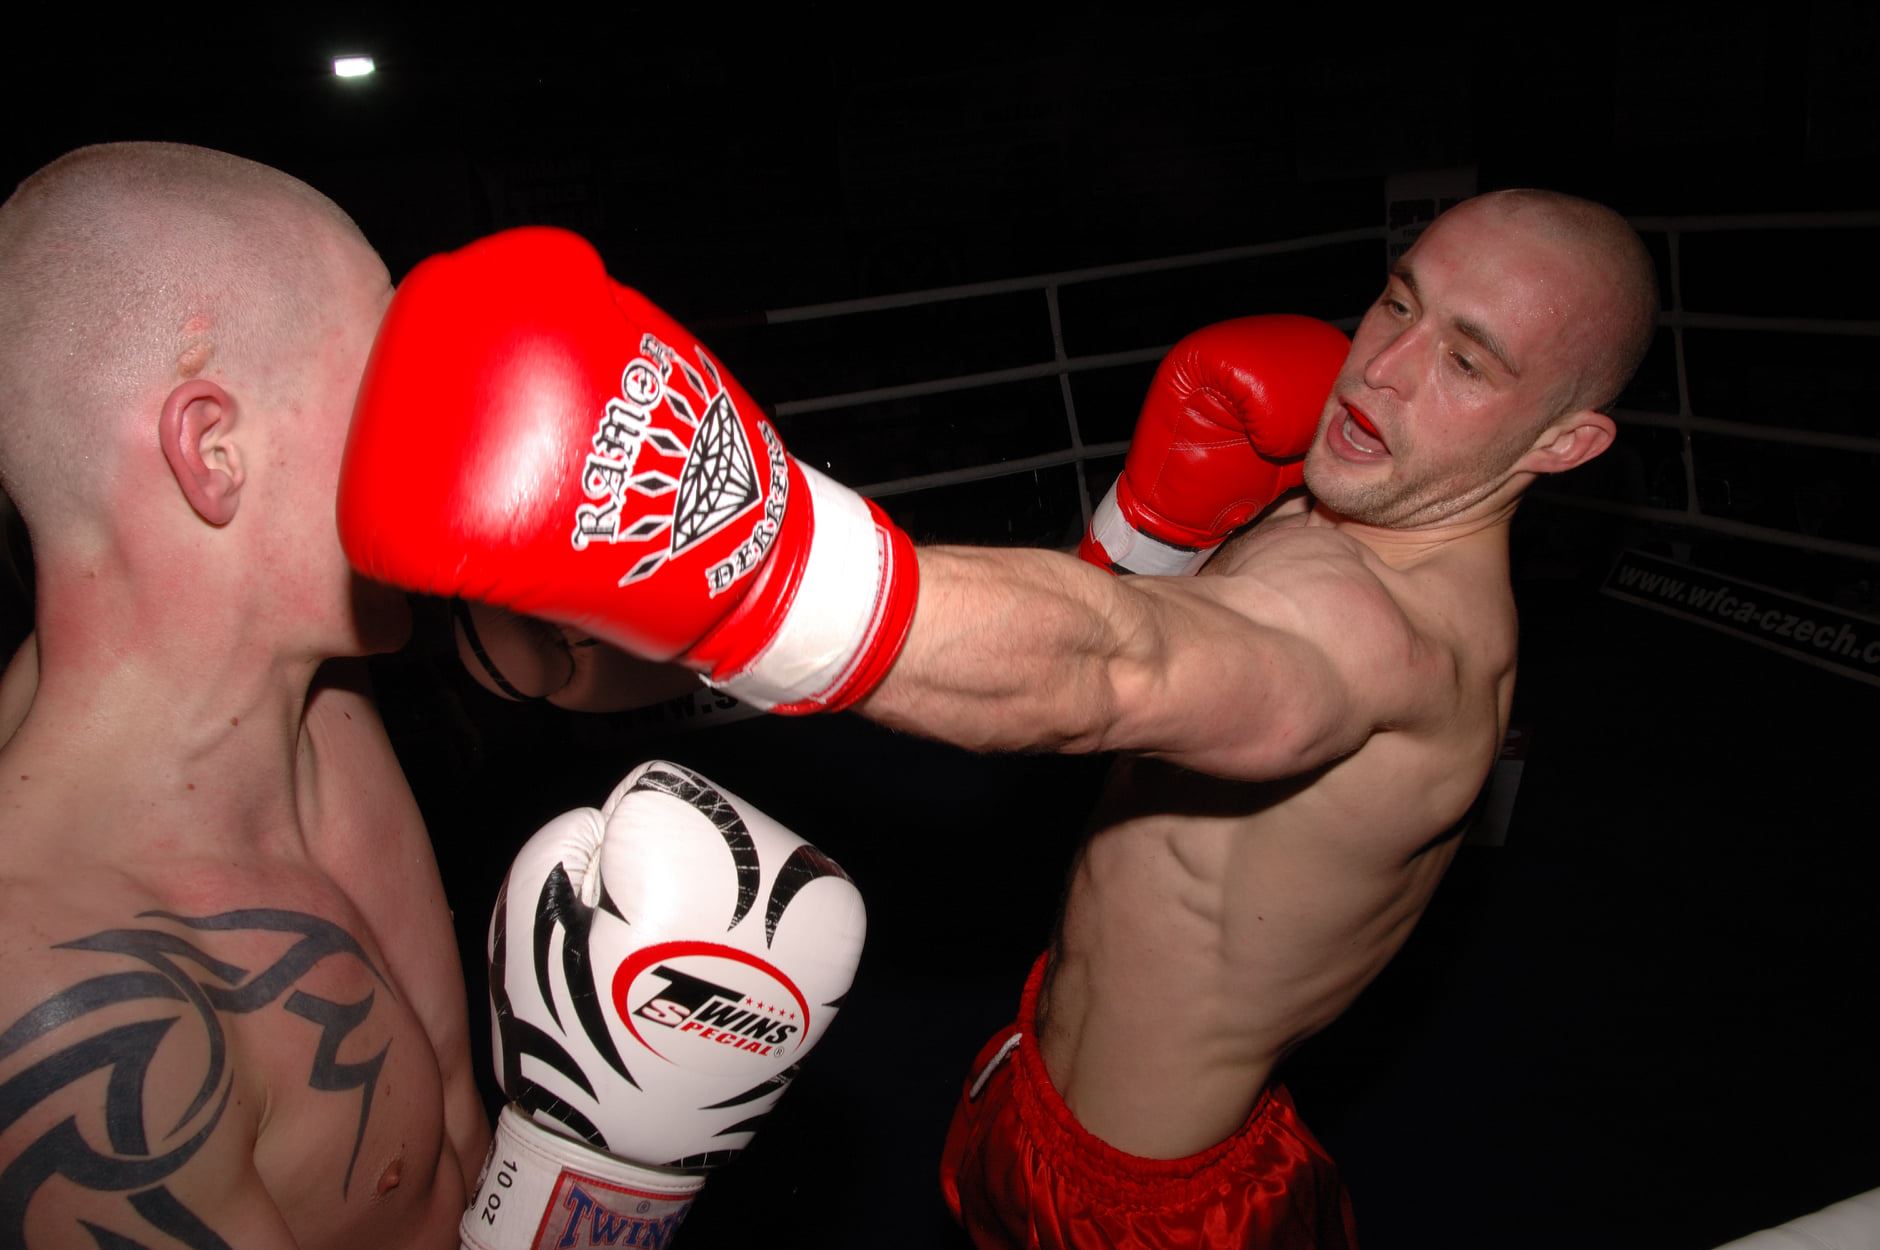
x=178, y=712
x=1483, y=527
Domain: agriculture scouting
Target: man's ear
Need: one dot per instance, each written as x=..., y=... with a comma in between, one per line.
x=195, y=428
x=1570, y=441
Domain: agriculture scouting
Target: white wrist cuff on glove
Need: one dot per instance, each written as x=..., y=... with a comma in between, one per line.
x=1133, y=551
x=835, y=611
x=541, y=1189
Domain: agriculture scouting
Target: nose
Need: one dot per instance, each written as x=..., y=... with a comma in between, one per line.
x=1389, y=367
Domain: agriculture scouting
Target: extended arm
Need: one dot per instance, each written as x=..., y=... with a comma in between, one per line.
x=607, y=474
x=1253, y=677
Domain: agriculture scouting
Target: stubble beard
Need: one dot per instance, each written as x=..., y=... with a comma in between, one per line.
x=1402, y=499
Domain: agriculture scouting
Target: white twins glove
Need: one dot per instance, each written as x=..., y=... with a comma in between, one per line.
x=658, y=968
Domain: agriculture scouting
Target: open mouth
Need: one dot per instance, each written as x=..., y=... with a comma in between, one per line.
x=1361, y=435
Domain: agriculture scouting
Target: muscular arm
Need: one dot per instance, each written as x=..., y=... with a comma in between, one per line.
x=1251, y=676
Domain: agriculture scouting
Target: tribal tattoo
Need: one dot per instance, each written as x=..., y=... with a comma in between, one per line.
x=178, y=980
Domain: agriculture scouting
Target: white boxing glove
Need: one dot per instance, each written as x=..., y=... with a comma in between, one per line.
x=658, y=968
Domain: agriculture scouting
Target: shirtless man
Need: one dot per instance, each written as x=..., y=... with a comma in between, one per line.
x=1301, y=727
x=1258, y=864
x=232, y=1011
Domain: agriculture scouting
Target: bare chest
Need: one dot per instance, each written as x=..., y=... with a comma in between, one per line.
x=352, y=1143
x=392, y=1041
x=259, y=1056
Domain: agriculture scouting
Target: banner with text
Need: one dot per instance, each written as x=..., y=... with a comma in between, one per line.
x=1801, y=629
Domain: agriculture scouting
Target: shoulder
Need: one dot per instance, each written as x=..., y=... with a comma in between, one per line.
x=342, y=723
x=114, y=1060
x=1455, y=595
x=71, y=982
x=1316, y=581
x=1293, y=553
x=86, y=954
x=47, y=912
x=118, y=1062
x=1404, y=640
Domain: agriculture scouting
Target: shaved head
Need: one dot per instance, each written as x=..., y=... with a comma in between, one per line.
x=1601, y=242
x=1501, y=337
x=126, y=269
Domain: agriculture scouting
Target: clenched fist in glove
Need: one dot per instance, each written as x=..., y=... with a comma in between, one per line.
x=658, y=969
x=531, y=434
x=1223, y=433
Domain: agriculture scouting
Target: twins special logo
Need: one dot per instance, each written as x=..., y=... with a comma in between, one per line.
x=700, y=1005
x=720, y=1007
x=585, y=1213
x=717, y=480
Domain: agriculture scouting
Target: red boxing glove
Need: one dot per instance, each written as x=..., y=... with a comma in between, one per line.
x=531, y=434
x=1228, y=419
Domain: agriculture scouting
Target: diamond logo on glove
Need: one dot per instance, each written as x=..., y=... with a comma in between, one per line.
x=717, y=480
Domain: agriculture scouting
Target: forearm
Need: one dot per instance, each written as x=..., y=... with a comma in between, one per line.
x=1015, y=649
x=1026, y=650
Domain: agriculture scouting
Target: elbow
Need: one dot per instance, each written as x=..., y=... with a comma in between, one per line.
x=1282, y=744
x=1127, y=707
x=1087, y=721
x=1318, y=735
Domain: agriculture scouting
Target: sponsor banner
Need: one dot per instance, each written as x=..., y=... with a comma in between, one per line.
x=1801, y=629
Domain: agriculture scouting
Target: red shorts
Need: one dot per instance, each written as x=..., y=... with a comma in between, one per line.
x=1020, y=1172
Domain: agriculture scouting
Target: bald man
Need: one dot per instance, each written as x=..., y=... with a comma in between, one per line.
x=1303, y=726
x=231, y=1007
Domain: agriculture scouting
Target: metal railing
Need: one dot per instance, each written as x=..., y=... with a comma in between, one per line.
x=1062, y=365
x=1676, y=319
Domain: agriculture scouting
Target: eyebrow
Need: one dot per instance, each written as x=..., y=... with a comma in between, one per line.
x=1474, y=331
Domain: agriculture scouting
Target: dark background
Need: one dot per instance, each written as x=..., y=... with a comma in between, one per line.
x=1646, y=1020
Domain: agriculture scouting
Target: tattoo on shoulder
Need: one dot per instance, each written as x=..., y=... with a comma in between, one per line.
x=178, y=981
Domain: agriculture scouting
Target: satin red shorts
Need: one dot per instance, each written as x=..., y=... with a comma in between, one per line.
x=1020, y=1173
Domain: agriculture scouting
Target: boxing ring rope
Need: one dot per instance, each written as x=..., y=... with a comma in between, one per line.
x=1677, y=319
x=1674, y=319
x=1070, y=277
x=1062, y=365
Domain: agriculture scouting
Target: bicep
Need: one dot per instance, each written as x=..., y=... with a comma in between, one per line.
x=1245, y=677
x=1262, y=679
